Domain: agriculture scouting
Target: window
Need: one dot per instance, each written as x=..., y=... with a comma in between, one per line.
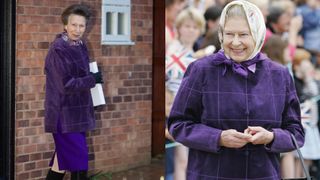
x=116, y=22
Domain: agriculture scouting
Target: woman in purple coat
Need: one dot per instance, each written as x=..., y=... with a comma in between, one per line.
x=68, y=104
x=236, y=109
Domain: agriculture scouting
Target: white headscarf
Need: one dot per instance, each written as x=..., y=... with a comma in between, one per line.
x=255, y=20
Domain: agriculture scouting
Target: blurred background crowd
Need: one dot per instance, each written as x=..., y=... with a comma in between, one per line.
x=292, y=39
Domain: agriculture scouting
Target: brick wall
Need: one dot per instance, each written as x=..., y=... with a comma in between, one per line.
x=122, y=139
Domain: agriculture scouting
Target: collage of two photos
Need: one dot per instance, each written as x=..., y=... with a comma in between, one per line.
x=160, y=90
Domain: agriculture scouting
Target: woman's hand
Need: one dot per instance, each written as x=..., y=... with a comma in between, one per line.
x=234, y=139
x=259, y=135
x=168, y=135
x=98, y=77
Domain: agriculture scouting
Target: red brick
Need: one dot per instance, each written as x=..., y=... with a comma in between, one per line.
x=20, y=10
x=22, y=158
x=19, y=97
x=43, y=45
x=29, y=97
x=37, y=122
x=23, y=176
x=25, y=2
x=19, y=115
x=30, y=10
x=117, y=99
x=36, y=156
x=36, y=19
x=38, y=3
x=47, y=155
x=30, y=131
x=133, y=90
x=36, y=71
x=55, y=11
x=37, y=173
x=42, y=147
x=42, y=163
x=29, y=114
x=22, y=106
x=138, y=97
x=29, y=166
x=23, y=37
x=23, y=123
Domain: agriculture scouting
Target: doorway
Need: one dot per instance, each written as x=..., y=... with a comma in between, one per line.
x=7, y=90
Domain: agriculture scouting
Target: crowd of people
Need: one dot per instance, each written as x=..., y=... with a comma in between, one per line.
x=196, y=30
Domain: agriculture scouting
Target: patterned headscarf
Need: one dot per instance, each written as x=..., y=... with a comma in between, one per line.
x=255, y=20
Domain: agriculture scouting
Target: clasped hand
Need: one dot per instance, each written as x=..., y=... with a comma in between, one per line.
x=98, y=77
x=253, y=134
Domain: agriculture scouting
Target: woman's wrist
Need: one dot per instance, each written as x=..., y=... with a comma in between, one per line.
x=270, y=137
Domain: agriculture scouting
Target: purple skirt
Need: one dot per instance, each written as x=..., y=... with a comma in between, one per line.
x=72, y=151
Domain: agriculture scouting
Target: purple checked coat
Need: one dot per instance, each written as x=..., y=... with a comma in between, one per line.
x=217, y=94
x=68, y=83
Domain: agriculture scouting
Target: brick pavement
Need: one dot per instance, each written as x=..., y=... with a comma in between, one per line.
x=154, y=171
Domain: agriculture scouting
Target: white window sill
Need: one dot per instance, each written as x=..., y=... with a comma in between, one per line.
x=117, y=43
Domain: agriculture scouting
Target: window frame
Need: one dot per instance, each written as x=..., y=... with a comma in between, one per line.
x=116, y=7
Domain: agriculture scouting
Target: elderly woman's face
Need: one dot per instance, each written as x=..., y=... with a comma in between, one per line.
x=238, y=42
x=76, y=26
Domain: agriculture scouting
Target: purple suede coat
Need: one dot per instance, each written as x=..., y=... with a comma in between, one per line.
x=217, y=95
x=68, y=83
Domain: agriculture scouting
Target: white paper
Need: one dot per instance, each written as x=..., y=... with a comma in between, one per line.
x=96, y=92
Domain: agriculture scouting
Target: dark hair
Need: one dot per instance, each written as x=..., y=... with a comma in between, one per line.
x=213, y=13
x=211, y=38
x=78, y=9
x=274, y=15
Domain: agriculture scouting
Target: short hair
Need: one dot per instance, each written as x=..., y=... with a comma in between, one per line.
x=77, y=9
x=275, y=47
x=193, y=14
x=301, y=55
x=213, y=13
x=274, y=15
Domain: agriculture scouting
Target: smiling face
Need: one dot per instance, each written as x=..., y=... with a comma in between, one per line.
x=237, y=42
x=76, y=26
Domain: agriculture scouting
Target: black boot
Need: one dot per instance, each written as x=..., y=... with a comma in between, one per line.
x=52, y=175
x=79, y=175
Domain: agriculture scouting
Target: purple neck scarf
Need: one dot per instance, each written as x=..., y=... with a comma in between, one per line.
x=238, y=68
x=71, y=42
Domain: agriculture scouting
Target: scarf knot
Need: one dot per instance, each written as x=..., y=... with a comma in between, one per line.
x=241, y=69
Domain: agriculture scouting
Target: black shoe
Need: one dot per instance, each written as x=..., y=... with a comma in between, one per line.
x=52, y=175
x=79, y=175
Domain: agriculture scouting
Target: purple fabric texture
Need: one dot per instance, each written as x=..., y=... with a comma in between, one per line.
x=214, y=96
x=68, y=83
x=72, y=151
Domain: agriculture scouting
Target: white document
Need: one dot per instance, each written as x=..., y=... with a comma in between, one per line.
x=96, y=92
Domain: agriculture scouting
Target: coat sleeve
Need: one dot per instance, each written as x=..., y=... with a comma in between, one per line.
x=59, y=69
x=291, y=121
x=184, y=122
